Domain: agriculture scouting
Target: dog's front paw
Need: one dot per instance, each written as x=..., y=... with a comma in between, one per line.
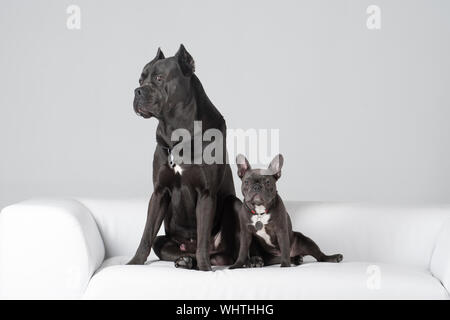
x=237, y=265
x=204, y=266
x=285, y=264
x=185, y=262
x=255, y=262
x=338, y=257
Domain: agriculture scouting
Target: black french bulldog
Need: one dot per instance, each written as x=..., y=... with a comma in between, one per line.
x=196, y=200
x=263, y=217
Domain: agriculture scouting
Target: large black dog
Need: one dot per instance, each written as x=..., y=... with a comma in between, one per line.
x=196, y=200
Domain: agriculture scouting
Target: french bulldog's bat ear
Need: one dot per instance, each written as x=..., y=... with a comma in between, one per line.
x=276, y=165
x=185, y=61
x=242, y=164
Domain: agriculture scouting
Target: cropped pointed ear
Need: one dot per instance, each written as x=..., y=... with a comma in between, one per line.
x=242, y=164
x=276, y=165
x=159, y=55
x=185, y=61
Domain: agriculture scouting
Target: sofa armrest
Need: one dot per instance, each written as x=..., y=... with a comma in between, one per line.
x=440, y=260
x=49, y=249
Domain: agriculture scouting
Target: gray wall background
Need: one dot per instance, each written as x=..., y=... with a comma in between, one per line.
x=363, y=115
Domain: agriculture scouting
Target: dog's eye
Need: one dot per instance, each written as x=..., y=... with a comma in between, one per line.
x=267, y=182
x=158, y=78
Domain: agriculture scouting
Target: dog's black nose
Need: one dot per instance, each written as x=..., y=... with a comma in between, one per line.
x=138, y=92
x=257, y=187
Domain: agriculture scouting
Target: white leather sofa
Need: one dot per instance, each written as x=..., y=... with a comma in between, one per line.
x=77, y=248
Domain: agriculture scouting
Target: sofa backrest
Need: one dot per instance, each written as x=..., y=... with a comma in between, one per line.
x=379, y=233
x=404, y=235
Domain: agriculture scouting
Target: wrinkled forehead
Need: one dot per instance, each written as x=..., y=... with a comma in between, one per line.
x=163, y=66
x=257, y=174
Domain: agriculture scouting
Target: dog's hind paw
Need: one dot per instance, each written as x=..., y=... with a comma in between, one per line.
x=335, y=258
x=255, y=262
x=297, y=260
x=185, y=262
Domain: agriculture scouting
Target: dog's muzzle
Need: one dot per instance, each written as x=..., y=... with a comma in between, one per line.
x=139, y=100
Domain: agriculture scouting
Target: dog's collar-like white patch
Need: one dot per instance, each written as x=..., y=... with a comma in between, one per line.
x=260, y=209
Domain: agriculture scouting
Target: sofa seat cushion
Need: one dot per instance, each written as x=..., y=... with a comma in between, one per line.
x=312, y=280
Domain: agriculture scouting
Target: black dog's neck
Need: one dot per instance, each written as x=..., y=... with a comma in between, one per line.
x=198, y=107
x=166, y=127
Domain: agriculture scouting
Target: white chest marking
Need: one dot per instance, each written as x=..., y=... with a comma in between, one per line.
x=177, y=169
x=260, y=209
x=264, y=218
